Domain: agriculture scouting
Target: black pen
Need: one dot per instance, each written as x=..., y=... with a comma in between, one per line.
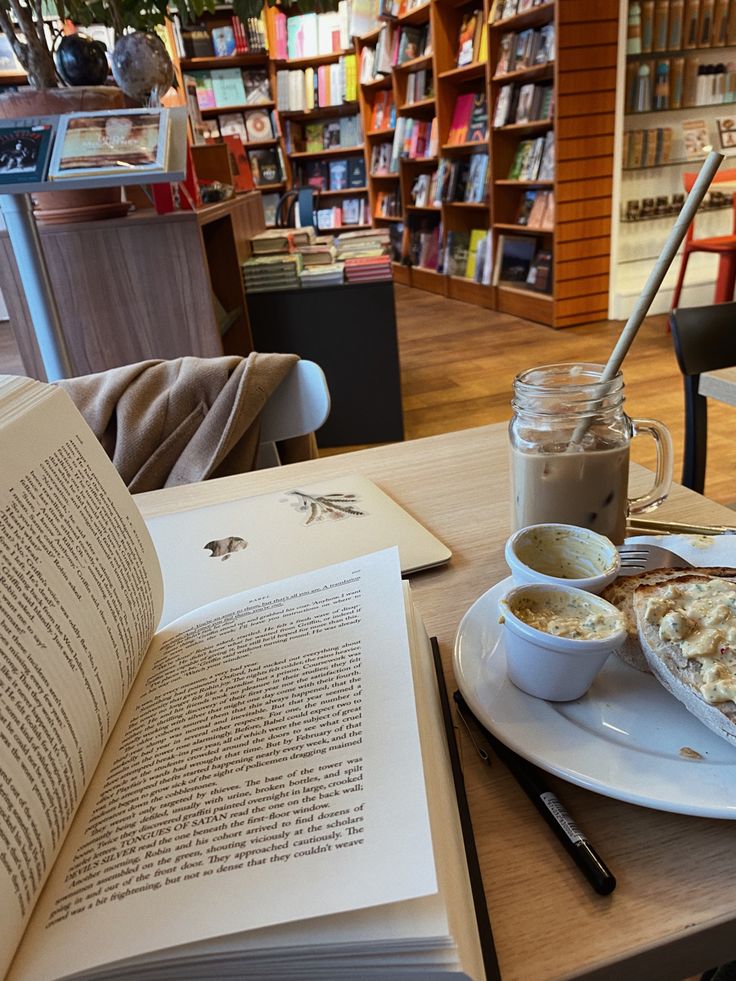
x=532, y=783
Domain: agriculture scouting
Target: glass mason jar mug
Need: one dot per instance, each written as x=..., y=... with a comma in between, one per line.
x=569, y=439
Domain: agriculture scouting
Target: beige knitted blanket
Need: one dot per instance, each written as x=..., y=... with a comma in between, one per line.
x=165, y=423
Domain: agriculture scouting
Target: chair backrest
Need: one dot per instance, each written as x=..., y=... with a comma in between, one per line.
x=704, y=337
x=727, y=176
x=300, y=405
x=301, y=201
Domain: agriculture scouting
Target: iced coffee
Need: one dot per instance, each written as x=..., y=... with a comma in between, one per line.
x=569, y=441
x=586, y=487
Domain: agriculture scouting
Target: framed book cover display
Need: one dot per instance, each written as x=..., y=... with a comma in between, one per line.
x=24, y=152
x=132, y=141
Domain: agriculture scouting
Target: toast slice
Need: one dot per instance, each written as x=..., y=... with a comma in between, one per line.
x=687, y=631
x=621, y=594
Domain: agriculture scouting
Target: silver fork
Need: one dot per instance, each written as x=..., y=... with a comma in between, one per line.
x=641, y=557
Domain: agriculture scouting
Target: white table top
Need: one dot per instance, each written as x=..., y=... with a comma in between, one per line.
x=673, y=913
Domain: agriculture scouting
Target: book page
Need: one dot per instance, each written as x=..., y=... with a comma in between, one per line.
x=267, y=768
x=210, y=552
x=80, y=595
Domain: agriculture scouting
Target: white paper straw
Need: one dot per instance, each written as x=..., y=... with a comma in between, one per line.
x=659, y=271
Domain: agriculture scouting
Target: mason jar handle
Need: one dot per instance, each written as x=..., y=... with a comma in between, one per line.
x=663, y=475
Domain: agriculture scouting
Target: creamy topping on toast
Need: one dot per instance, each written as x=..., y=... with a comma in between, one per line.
x=698, y=618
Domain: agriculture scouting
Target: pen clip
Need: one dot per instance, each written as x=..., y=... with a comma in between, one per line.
x=479, y=749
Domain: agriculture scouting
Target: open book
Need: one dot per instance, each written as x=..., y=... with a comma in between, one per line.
x=260, y=789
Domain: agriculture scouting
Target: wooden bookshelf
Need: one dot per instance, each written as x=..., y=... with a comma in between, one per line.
x=583, y=77
x=369, y=92
x=299, y=158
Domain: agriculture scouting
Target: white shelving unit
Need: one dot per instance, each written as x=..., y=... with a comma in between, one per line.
x=635, y=245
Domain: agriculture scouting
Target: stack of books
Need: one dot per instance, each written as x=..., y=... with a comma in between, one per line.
x=370, y=243
x=271, y=272
x=327, y=275
x=367, y=269
x=320, y=252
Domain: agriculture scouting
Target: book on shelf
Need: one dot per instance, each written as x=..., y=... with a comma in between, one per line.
x=410, y=43
x=421, y=190
x=477, y=266
x=232, y=124
x=169, y=733
x=425, y=237
x=468, y=37
x=536, y=209
x=456, y=253
x=314, y=173
x=266, y=166
x=338, y=174
x=388, y=204
x=539, y=277
x=547, y=163
x=223, y=41
x=419, y=86
x=227, y=87
x=478, y=181
x=239, y=164
x=384, y=51
x=526, y=49
x=647, y=147
x=259, y=125
x=461, y=114
x=311, y=35
x=24, y=151
x=356, y=171
x=383, y=113
x=118, y=141
x=477, y=131
x=514, y=255
x=256, y=85
x=304, y=89
x=382, y=159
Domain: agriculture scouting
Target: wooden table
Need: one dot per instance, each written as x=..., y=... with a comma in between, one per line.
x=719, y=385
x=673, y=913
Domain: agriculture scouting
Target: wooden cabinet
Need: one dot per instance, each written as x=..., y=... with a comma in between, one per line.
x=144, y=286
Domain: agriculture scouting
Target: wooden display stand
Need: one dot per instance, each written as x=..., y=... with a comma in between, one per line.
x=350, y=331
x=141, y=287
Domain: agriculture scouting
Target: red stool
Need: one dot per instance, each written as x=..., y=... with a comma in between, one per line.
x=723, y=245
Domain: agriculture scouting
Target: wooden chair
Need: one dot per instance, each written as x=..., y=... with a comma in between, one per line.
x=299, y=406
x=722, y=245
x=705, y=340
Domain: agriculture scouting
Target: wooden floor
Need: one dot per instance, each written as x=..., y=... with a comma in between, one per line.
x=458, y=363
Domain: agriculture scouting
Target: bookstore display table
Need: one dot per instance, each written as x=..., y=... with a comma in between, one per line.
x=350, y=331
x=672, y=913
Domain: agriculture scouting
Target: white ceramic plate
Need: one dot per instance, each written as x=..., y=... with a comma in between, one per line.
x=622, y=739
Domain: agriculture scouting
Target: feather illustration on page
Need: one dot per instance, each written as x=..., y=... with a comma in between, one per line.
x=326, y=506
